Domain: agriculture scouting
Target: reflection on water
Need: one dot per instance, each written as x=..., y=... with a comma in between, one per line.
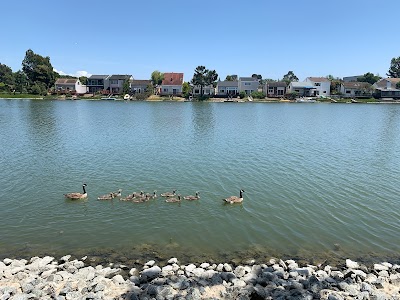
x=316, y=176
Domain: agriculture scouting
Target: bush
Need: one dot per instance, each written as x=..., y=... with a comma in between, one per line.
x=258, y=95
x=38, y=89
x=292, y=95
x=242, y=94
x=141, y=96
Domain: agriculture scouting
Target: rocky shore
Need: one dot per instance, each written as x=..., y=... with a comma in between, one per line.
x=66, y=278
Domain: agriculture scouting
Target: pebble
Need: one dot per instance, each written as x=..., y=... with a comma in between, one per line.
x=45, y=278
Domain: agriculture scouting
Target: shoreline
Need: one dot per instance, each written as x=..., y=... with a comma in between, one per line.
x=77, y=278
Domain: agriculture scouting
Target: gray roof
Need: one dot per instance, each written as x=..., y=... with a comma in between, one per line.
x=228, y=83
x=304, y=85
x=248, y=79
x=119, y=77
x=140, y=82
x=98, y=77
x=277, y=84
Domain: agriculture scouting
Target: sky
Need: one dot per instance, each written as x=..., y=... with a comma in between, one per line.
x=309, y=37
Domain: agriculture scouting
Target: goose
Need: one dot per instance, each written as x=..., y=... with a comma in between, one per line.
x=197, y=197
x=235, y=199
x=173, y=200
x=153, y=196
x=76, y=196
x=169, y=194
x=141, y=199
x=109, y=196
x=117, y=193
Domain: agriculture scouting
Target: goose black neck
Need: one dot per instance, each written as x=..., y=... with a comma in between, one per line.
x=84, y=190
x=241, y=194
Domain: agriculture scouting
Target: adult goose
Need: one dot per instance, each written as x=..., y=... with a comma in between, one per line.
x=191, y=198
x=235, y=199
x=173, y=200
x=169, y=194
x=117, y=193
x=77, y=196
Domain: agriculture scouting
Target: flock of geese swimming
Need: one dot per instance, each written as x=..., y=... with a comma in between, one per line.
x=170, y=197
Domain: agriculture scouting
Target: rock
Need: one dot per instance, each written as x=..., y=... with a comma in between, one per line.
x=133, y=272
x=118, y=279
x=150, y=273
x=204, y=265
x=240, y=271
x=150, y=263
x=351, y=264
x=167, y=270
x=7, y=261
x=190, y=268
x=65, y=258
x=238, y=282
x=198, y=272
x=220, y=267
x=228, y=267
x=380, y=267
x=173, y=260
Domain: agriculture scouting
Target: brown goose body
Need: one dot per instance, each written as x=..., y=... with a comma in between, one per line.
x=77, y=196
x=235, y=199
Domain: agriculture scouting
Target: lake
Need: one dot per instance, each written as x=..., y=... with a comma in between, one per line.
x=320, y=180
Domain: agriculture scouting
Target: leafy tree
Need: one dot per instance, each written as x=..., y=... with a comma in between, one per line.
x=186, y=89
x=83, y=80
x=335, y=84
x=242, y=94
x=38, y=69
x=257, y=76
x=231, y=78
x=289, y=77
x=157, y=77
x=149, y=90
x=39, y=88
x=21, y=82
x=394, y=70
x=369, y=77
x=203, y=77
x=398, y=85
x=125, y=87
x=6, y=75
x=258, y=95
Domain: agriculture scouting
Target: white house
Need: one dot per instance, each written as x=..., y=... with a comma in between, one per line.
x=248, y=85
x=225, y=88
x=387, y=88
x=207, y=90
x=70, y=85
x=303, y=89
x=322, y=86
x=172, y=84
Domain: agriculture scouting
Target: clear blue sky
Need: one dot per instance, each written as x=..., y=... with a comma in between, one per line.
x=310, y=37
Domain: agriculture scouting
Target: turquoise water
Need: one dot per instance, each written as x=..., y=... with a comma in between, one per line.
x=317, y=177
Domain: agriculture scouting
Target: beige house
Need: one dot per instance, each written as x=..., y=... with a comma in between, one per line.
x=70, y=85
x=172, y=84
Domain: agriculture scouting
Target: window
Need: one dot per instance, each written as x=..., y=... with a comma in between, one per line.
x=196, y=91
x=280, y=92
x=165, y=90
x=324, y=92
x=247, y=83
x=222, y=91
x=297, y=91
x=270, y=90
x=317, y=84
x=348, y=92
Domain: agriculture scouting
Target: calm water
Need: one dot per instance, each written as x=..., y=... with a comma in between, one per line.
x=319, y=178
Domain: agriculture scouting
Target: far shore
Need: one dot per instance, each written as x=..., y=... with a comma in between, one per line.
x=156, y=98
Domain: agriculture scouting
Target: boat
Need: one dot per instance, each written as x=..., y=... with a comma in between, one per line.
x=127, y=97
x=305, y=100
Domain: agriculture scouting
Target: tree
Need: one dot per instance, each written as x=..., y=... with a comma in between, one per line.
x=157, y=77
x=394, y=70
x=398, y=85
x=231, y=78
x=369, y=77
x=289, y=77
x=257, y=76
x=6, y=75
x=186, y=89
x=21, y=82
x=203, y=77
x=125, y=87
x=335, y=84
x=83, y=80
x=38, y=69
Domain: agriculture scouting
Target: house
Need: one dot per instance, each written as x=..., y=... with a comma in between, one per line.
x=248, y=85
x=97, y=83
x=322, y=86
x=386, y=88
x=139, y=86
x=116, y=83
x=302, y=89
x=352, y=78
x=275, y=89
x=227, y=88
x=172, y=84
x=70, y=85
x=207, y=90
x=356, y=89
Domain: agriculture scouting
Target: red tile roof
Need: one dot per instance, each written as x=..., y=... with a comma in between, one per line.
x=173, y=79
